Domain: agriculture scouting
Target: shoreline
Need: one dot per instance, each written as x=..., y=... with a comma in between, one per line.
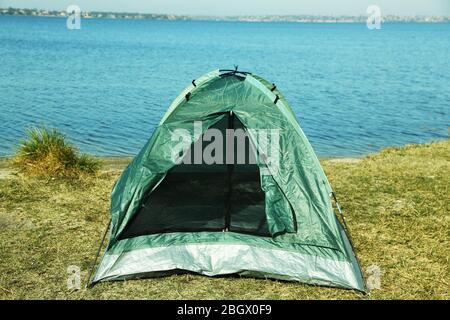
x=119, y=163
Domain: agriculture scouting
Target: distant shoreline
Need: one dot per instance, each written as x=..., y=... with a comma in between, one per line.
x=243, y=18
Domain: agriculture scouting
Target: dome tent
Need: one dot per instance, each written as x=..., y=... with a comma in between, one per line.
x=169, y=213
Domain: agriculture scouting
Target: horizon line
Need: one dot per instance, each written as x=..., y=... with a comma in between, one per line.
x=232, y=15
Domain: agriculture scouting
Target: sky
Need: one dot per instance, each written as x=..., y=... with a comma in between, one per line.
x=244, y=7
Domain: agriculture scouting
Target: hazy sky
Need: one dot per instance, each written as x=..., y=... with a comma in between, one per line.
x=243, y=7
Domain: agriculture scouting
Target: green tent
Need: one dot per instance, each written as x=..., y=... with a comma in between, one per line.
x=259, y=208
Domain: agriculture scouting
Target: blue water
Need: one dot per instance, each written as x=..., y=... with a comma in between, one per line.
x=107, y=85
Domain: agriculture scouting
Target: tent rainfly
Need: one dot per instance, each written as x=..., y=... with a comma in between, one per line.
x=228, y=184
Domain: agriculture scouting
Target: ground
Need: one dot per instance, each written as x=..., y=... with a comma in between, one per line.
x=396, y=202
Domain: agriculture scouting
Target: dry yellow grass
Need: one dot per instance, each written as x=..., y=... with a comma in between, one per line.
x=396, y=202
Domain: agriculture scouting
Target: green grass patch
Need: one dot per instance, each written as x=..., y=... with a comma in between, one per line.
x=396, y=204
x=46, y=153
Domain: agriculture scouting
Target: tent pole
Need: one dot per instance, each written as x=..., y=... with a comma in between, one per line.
x=349, y=236
x=343, y=217
x=89, y=283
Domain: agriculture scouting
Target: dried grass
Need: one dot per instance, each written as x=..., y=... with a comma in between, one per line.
x=397, y=209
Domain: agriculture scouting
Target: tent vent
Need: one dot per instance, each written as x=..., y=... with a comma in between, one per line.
x=235, y=72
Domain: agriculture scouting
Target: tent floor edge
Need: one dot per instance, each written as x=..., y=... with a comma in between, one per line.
x=220, y=259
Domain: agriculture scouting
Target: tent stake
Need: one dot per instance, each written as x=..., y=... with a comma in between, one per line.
x=89, y=283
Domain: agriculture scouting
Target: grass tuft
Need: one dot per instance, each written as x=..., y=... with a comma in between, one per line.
x=46, y=153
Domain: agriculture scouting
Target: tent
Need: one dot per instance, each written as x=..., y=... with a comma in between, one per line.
x=196, y=200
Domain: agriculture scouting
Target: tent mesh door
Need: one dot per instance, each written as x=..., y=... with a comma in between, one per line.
x=202, y=197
